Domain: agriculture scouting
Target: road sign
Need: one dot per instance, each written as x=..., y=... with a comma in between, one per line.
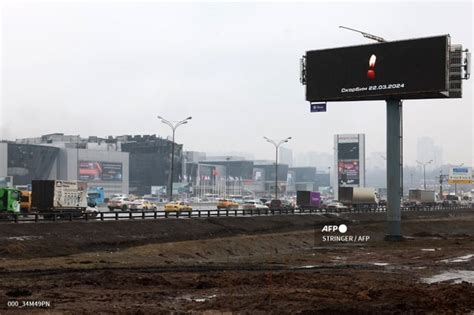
x=460, y=175
x=319, y=107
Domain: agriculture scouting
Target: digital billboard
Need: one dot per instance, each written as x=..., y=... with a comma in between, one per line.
x=407, y=69
x=348, y=151
x=100, y=171
x=460, y=175
x=348, y=172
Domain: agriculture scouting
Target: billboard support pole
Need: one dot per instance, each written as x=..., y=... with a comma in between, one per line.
x=394, y=109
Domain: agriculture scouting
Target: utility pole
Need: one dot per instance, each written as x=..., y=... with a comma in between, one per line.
x=441, y=178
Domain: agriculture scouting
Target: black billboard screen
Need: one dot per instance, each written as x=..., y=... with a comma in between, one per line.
x=408, y=69
x=348, y=151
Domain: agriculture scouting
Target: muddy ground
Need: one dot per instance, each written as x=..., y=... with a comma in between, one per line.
x=259, y=265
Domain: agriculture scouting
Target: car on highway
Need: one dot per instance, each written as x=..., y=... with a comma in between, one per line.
x=281, y=204
x=143, y=204
x=176, y=206
x=92, y=212
x=227, y=204
x=122, y=203
x=336, y=205
x=253, y=204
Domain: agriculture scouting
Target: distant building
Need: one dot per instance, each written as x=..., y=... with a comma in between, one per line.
x=304, y=178
x=427, y=150
x=320, y=160
x=64, y=161
x=285, y=156
x=150, y=162
x=268, y=173
x=108, y=162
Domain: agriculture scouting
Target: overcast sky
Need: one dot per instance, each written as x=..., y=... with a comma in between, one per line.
x=109, y=68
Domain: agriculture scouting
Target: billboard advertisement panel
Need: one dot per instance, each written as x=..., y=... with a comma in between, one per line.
x=100, y=171
x=315, y=198
x=460, y=175
x=348, y=171
x=407, y=69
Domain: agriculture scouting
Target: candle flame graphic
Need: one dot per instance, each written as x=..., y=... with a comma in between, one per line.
x=372, y=61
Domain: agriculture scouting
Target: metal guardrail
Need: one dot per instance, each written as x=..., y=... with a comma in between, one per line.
x=161, y=214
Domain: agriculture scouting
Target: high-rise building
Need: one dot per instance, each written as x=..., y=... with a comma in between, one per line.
x=285, y=156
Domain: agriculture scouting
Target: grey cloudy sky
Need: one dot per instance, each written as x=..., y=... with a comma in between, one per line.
x=109, y=68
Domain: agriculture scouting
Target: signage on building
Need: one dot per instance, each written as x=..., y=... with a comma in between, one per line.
x=100, y=171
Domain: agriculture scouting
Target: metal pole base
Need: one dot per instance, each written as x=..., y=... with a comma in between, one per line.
x=393, y=238
x=393, y=170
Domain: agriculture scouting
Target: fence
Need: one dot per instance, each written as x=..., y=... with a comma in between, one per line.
x=161, y=214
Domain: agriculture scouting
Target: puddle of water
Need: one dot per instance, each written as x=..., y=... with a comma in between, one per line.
x=380, y=264
x=458, y=259
x=428, y=249
x=453, y=276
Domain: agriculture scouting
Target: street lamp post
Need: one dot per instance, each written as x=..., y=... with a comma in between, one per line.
x=277, y=145
x=424, y=171
x=173, y=128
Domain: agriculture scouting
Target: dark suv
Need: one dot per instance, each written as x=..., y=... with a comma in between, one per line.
x=281, y=204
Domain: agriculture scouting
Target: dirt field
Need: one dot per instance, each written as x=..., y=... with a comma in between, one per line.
x=256, y=265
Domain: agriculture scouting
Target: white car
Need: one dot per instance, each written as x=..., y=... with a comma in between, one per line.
x=336, y=205
x=122, y=203
x=91, y=212
x=253, y=204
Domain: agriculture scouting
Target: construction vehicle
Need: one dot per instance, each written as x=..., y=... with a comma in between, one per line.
x=358, y=197
x=9, y=202
x=59, y=198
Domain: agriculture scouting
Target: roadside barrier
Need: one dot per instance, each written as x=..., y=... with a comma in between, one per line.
x=161, y=214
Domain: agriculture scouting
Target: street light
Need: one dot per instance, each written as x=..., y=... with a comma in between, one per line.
x=276, y=144
x=173, y=128
x=424, y=171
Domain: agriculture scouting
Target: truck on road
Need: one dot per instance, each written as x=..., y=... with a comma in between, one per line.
x=420, y=197
x=308, y=200
x=358, y=197
x=59, y=197
x=9, y=202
